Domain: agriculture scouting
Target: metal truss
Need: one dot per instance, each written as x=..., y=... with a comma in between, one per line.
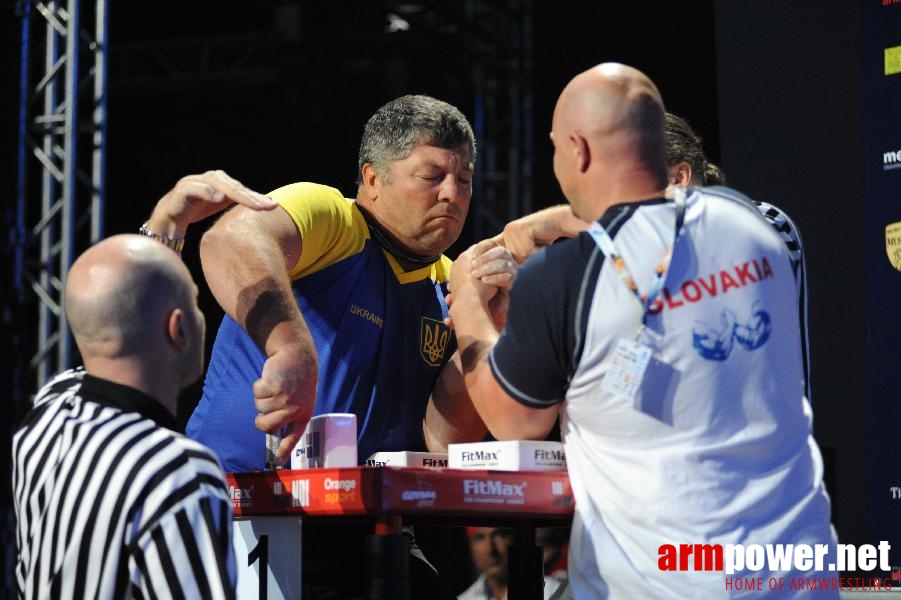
x=495, y=41
x=60, y=192
x=248, y=59
x=503, y=107
x=64, y=113
x=495, y=37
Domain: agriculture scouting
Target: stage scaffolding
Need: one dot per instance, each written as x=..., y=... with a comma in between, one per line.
x=503, y=112
x=60, y=191
x=64, y=68
x=62, y=125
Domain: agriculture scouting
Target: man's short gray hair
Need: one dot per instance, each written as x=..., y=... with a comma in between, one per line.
x=398, y=126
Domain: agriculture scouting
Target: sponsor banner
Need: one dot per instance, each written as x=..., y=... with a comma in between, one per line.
x=893, y=244
x=400, y=490
x=545, y=493
x=881, y=68
x=891, y=160
x=304, y=491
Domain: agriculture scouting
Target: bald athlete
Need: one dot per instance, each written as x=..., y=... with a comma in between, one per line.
x=688, y=166
x=666, y=338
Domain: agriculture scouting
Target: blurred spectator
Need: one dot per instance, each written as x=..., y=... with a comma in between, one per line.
x=488, y=547
x=554, y=542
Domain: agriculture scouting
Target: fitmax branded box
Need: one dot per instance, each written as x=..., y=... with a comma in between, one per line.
x=407, y=459
x=516, y=455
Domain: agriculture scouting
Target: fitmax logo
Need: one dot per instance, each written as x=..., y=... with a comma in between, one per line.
x=555, y=455
x=891, y=160
x=236, y=493
x=479, y=455
x=478, y=487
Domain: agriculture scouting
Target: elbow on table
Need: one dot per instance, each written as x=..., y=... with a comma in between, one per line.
x=531, y=425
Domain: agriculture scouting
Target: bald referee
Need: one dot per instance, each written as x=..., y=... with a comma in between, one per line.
x=112, y=502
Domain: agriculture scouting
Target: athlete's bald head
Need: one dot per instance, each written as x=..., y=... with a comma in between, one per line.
x=610, y=121
x=129, y=299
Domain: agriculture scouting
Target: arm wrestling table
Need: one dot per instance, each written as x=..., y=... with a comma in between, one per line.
x=269, y=505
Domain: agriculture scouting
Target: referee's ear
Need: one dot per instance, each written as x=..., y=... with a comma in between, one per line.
x=175, y=329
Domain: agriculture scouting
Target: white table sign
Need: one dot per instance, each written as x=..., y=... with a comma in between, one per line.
x=271, y=544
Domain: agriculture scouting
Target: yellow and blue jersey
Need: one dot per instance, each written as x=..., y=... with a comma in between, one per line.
x=379, y=333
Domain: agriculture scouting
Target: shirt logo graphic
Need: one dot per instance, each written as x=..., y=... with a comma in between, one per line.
x=369, y=316
x=714, y=344
x=433, y=341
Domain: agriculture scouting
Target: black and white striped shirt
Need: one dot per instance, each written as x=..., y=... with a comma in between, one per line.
x=110, y=503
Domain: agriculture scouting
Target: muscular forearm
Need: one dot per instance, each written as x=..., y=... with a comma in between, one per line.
x=569, y=225
x=476, y=335
x=246, y=258
x=525, y=235
x=450, y=416
x=503, y=416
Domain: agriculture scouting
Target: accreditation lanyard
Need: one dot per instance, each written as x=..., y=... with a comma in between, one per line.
x=606, y=245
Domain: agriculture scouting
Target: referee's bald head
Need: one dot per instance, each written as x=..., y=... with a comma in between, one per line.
x=129, y=298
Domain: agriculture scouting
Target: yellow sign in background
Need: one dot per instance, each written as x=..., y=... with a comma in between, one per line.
x=893, y=244
x=893, y=60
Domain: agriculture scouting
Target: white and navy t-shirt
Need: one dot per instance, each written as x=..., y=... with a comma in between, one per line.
x=791, y=236
x=715, y=446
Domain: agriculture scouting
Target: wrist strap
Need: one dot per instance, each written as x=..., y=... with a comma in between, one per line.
x=175, y=243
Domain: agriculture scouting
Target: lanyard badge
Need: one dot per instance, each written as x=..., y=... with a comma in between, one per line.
x=630, y=358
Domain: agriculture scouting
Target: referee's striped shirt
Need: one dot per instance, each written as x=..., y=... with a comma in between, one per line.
x=112, y=504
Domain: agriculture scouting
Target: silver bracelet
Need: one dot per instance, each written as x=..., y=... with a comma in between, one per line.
x=176, y=244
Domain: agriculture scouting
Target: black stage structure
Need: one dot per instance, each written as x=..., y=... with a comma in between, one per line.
x=278, y=91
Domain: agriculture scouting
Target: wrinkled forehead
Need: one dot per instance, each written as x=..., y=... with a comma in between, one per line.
x=456, y=158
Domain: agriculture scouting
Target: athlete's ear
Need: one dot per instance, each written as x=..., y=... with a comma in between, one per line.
x=372, y=183
x=680, y=174
x=582, y=151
